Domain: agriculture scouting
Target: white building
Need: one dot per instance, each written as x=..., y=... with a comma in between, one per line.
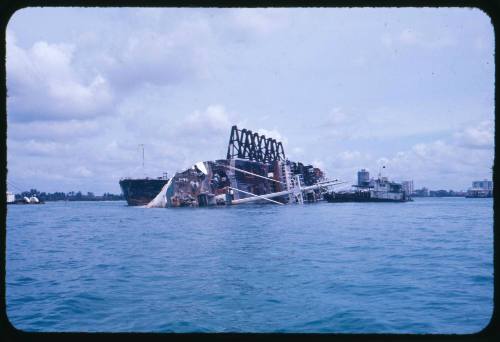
x=482, y=188
x=483, y=185
x=11, y=198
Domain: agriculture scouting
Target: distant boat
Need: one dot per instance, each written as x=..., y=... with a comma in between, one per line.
x=374, y=190
x=365, y=196
x=11, y=199
x=479, y=193
x=34, y=200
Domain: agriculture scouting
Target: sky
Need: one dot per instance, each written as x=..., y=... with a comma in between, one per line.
x=410, y=89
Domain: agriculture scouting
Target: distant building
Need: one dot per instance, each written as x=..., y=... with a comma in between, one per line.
x=484, y=185
x=480, y=189
x=11, y=198
x=408, y=187
x=363, y=178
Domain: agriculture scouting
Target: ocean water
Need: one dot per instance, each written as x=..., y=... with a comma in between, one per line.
x=418, y=267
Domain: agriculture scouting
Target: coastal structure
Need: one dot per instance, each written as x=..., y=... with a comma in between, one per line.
x=11, y=198
x=25, y=200
x=255, y=170
x=372, y=190
x=408, y=187
x=480, y=189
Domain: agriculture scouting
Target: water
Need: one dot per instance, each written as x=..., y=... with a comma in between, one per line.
x=419, y=267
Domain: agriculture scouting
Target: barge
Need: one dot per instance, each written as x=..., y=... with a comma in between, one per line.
x=371, y=190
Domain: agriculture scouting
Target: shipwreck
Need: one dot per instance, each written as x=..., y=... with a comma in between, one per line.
x=255, y=170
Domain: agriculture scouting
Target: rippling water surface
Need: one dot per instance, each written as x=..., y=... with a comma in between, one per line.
x=419, y=267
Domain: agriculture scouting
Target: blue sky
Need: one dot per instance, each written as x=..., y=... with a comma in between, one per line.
x=344, y=89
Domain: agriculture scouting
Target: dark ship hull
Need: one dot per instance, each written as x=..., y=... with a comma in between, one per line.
x=359, y=196
x=141, y=191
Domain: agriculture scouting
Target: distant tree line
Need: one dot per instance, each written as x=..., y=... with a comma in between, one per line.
x=444, y=193
x=70, y=196
x=424, y=192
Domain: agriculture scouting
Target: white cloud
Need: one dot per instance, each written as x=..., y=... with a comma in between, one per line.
x=160, y=58
x=389, y=123
x=378, y=123
x=274, y=134
x=451, y=162
x=387, y=40
x=259, y=21
x=43, y=84
x=36, y=148
x=439, y=164
x=53, y=130
x=299, y=151
x=336, y=116
x=81, y=171
x=381, y=162
x=413, y=38
x=84, y=96
x=213, y=119
x=349, y=155
x=408, y=36
x=318, y=163
x=360, y=61
x=352, y=159
x=479, y=136
x=482, y=44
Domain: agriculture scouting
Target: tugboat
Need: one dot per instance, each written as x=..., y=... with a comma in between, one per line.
x=371, y=190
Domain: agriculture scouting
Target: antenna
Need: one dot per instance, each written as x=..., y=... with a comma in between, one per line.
x=380, y=171
x=142, y=145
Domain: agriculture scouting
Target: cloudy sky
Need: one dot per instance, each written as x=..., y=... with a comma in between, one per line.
x=411, y=89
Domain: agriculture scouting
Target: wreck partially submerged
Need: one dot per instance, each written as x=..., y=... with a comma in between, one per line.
x=255, y=170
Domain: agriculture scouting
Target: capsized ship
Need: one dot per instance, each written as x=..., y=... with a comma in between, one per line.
x=371, y=190
x=255, y=170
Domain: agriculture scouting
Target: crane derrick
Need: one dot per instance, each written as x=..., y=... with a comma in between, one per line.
x=245, y=144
